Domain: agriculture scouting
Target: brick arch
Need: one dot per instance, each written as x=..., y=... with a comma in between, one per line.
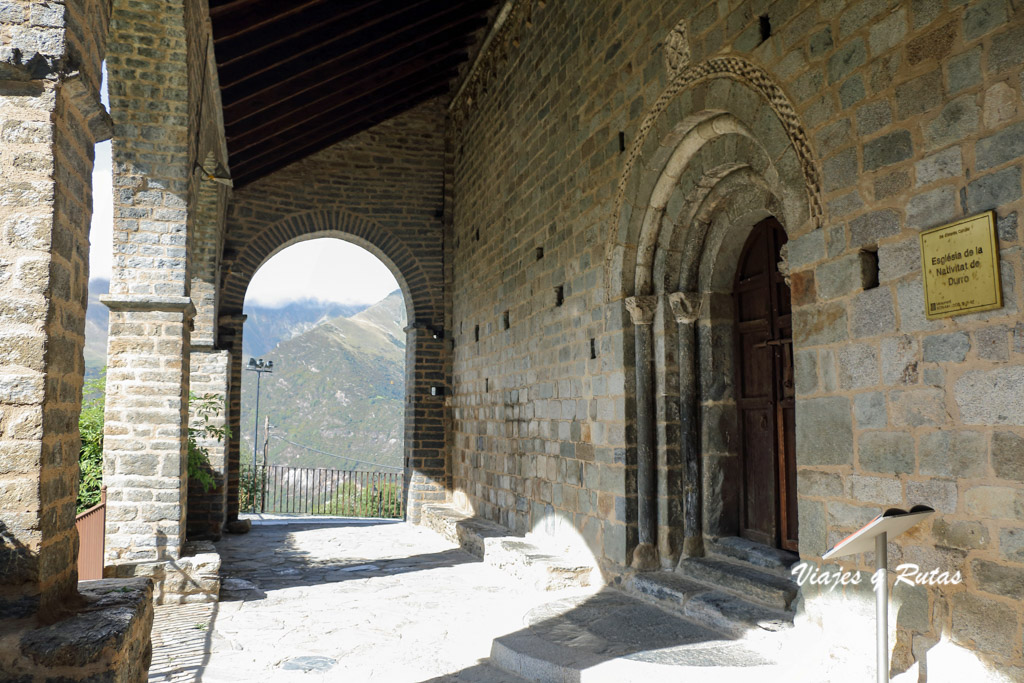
x=425, y=459
x=300, y=227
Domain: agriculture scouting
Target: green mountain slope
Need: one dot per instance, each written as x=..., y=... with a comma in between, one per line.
x=337, y=387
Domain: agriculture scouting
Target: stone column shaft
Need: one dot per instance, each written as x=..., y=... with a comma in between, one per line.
x=641, y=310
x=686, y=310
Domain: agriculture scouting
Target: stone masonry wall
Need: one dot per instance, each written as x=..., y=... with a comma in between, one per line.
x=50, y=119
x=382, y=190
x=915, y=117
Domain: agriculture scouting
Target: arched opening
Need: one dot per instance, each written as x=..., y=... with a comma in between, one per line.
x=322, y=430
x=721, y=152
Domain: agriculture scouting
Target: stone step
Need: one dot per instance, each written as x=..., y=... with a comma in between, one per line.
x=497, y=546
x=721, y=611
x=777, y=561
x=480, y=673
x=613, y=637
x=742, y=580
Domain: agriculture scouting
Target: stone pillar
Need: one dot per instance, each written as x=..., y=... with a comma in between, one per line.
x=50, y=118
x=145, y=446
x=229, y=336
x=641, y=312
x=426, y=467
x=686, y=309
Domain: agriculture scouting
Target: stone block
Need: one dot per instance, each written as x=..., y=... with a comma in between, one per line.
x=820, y=42
x=891, y=185
x=813, y=536
x=858, y=366
x=819, y=484
x=910, y=302
x=851, y=91
x=888, y=32
x=872, y=313
x=946, y=348
x=1001, y=103
x=919, y=95
x=984, y=17
x=1007, y=50
x=833, y=137
x=918, y=408
x=912, y=607
x=939, y=494
x=840, y=171
x=1000, y=148
x=845, y=204
x=846, y=59
x=821, y=324
x=845, y=275
x=961, y=535
x=1008, y=455
x=824, y=430
x=982, y=622
x=874, y=116
x=945, y=164
x=888, y=149
x=1011, y=544
x=869, y=410
x=994, y=502
x=997, y=579
x=899, y=360
x=958, y=120
x=886, y=452
x=964, y=70
x=936, y=44
x=993, y=343
x=805, y=371
x=881, y=491
x=929, y=209
x=873, y=227
x=897, y=259
x=954, y=454
x=805, y=249
x=991, y=396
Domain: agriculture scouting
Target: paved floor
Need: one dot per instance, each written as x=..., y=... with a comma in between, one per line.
x=342, y=601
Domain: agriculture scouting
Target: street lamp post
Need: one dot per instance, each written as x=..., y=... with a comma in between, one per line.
x=259, y=367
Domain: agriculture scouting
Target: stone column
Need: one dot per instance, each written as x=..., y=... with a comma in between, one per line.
x=145, y=448
x=229, y=336
x=426, y=467
x=686, y=310
x=51, y=118
x=641, y=312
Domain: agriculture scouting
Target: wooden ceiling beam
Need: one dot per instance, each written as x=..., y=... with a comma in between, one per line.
x=237, y=105
x=336, y=93
x=247, y=173
x=294, y=35
x=365, y=107
x=235, y=17
x=328, y=57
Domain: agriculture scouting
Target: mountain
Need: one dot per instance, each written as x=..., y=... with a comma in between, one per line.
x=267, y=327
x=337, y=387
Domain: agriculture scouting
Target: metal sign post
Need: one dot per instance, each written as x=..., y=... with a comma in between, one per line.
x=892, y=522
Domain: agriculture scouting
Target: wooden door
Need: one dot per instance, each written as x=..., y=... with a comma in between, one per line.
x=765, y=395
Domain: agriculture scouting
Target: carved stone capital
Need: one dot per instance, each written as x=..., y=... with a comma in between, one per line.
x=642, y=309
x=685, y=306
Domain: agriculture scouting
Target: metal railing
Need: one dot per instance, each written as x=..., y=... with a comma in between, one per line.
x=319, y=491
x=92, y=540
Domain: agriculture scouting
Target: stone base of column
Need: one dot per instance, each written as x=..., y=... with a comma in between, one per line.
x=645, y=558
x=96, y=643
x=192, y=578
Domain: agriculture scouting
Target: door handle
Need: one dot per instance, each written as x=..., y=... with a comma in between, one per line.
x=773, y=342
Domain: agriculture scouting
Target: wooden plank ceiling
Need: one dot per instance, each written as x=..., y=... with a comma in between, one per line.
x=297, y=76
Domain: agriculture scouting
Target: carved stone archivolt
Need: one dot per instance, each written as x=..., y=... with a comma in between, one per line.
x=756, y=79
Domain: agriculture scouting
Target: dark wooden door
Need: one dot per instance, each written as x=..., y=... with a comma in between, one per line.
x=764, y=391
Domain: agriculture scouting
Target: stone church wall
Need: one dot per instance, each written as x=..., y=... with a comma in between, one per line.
x=913, y=116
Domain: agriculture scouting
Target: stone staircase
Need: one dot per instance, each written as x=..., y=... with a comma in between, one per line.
x=740, y=589
x=496, y=545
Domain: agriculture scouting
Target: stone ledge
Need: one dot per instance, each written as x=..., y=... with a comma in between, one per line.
x=192, y=578
x=497, y=546
x=107, y=639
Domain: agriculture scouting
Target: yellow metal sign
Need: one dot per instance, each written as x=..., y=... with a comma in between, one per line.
x=960, y=262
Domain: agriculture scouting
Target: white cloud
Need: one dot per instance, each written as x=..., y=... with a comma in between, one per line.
x=327, y=269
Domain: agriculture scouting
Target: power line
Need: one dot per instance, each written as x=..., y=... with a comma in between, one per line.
x=335, y=455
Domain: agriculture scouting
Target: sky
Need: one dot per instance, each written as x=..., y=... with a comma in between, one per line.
x=326, y=269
